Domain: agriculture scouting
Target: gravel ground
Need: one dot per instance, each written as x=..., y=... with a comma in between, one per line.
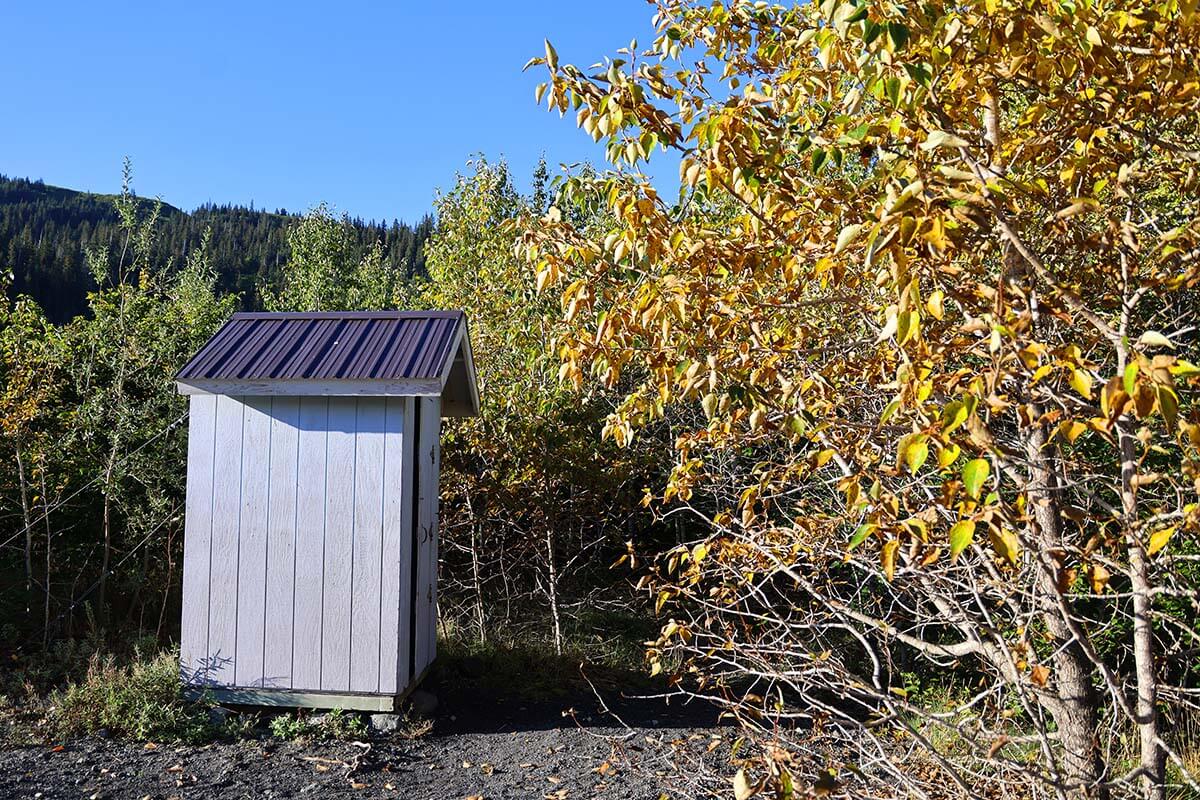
x=478, y=748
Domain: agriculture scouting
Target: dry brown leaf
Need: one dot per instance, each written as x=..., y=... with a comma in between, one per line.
x=176, y=768
x=1039, y=675
x=999, y=742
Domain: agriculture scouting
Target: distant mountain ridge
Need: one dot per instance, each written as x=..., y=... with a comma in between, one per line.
x=45, y=230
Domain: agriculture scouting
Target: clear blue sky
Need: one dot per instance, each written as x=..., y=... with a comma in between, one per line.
x=368, y=106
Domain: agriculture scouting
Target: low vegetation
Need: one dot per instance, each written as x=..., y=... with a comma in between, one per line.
x=140, y=699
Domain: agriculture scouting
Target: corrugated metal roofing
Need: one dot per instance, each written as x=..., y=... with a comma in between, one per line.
x=334, y=345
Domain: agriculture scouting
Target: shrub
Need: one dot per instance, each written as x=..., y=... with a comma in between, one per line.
x=140, y=700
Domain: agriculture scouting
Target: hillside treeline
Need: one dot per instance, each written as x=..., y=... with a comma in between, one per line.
x=46, y=231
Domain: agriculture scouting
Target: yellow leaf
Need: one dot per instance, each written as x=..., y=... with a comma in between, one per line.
x=916, y=454
x=1072, y=429
x=887, y=558
x=1006, y=544
x=934, y=305
x=974, y=474
x=948, y=455
x=1159, y=539
x=1081, y=382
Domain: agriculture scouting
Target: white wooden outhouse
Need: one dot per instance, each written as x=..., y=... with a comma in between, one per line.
x=310, y=552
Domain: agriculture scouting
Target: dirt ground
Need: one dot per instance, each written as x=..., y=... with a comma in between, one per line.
x=479, y=747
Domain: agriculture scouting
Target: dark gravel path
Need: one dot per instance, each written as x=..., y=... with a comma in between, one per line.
x=478, y=748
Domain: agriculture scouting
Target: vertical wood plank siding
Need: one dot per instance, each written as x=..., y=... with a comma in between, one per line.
x=297, y=556
x=427, y=498
x=310, y=543
x=281, y=543
x=193, y=634
x=339, y=544
x=223, y=566
x=367, y=551
x=252, y=541
x=397, y=552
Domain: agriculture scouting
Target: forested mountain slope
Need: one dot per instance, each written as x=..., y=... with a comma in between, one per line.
x=45, y=231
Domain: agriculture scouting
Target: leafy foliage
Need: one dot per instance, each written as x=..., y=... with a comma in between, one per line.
x=89, y=418
x=326, y=272
x=530, y=497
x=931, y=279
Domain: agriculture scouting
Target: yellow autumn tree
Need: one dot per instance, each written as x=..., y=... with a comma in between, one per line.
x=931, y=276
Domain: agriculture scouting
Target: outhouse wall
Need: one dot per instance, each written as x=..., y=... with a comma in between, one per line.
x=310, y=554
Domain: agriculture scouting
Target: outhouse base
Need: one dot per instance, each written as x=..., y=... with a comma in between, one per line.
x=291, y=698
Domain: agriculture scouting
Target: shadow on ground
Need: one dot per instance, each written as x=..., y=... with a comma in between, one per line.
x=513, y=689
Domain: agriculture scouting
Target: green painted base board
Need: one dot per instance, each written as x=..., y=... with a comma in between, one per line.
x=286, y=698
x=290, y=698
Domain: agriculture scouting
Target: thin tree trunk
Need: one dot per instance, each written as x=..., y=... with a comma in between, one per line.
x=1153, y=758
x=1072, y=702
x=26, y=518
x=49, y=536
x=478, y=586
x=106, y=554
x=552, y=590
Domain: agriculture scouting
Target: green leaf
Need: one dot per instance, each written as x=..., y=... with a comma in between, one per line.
x=1185, y=369
x=871, y=31
x=1168, y=406
x=891, y=88
x=961, y=535
x=860, y=535
x=898, y=34
x=1130, y=378
x=954, y=414
x=974, y=474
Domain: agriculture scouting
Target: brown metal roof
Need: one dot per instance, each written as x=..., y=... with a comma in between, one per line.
x=333, y=345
